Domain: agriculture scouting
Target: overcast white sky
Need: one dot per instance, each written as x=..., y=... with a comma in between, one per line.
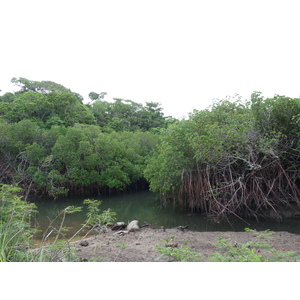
x=179, y=53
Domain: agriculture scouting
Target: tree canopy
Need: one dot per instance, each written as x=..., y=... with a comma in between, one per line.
x=51, y=142
x=235, y=158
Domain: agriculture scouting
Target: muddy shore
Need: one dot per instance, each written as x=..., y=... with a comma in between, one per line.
x=140, y=246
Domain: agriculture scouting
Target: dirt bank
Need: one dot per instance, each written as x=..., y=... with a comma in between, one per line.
x=140, y=246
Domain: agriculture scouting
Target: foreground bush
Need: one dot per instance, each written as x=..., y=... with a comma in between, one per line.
x=15, y=227
x=16, y=231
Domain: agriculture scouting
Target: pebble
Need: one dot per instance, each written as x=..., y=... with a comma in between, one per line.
x=84, y=243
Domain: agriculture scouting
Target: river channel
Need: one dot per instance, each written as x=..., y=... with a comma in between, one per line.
x=145, y=207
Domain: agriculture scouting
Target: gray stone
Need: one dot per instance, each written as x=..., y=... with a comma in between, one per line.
x=84, y=243
x=133, y=226
x=119, y=226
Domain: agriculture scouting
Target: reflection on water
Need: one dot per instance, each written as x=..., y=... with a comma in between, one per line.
x=146, y=207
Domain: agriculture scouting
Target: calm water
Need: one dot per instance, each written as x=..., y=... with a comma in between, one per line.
x=146, y=207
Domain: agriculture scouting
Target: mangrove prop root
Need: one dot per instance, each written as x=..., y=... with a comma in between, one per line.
x=238, y=189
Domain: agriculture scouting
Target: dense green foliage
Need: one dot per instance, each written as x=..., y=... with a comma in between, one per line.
x=51, y=142
x=126, y=115
x=234, y=158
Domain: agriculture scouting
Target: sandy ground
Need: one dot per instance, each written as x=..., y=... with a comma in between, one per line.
x=140, y=246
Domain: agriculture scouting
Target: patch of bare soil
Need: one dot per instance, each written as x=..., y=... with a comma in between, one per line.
x=140, y=246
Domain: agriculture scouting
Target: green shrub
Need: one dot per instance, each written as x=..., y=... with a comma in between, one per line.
x=177, y=254
x=16, y=231
x=15, y=227
x=251, y=251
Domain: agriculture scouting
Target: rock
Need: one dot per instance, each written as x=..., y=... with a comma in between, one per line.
x=83, y=259
x=119, y=226
x=100, y=228
x=183, y=228
x=84, y=243
x=146, y=224
x=133, y=226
